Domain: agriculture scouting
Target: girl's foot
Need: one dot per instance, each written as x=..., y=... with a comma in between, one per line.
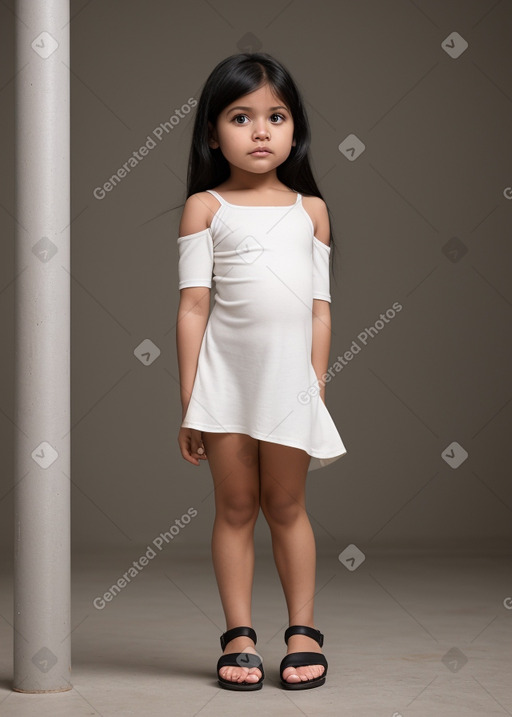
x=240, y=674
x=302, y=643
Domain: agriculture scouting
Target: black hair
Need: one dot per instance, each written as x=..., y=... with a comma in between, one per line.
x=232, y=78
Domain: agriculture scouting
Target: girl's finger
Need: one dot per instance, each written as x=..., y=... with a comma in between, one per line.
x=200, y=452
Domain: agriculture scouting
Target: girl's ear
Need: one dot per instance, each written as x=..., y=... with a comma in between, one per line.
x=212, y=136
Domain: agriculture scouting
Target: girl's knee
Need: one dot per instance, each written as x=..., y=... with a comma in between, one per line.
x=238, y=511
x=281, y=509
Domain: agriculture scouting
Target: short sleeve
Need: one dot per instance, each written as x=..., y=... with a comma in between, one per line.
x=195, y=259
x=321, y=286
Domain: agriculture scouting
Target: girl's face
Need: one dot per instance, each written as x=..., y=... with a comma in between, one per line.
x=258, y=119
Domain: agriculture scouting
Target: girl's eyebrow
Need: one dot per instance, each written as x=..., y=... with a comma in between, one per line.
x=280, y=107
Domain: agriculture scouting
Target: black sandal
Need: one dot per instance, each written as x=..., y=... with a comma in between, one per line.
x=301, y=659
x=239, y=659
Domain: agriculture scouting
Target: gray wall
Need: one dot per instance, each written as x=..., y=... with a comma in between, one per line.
x=422, y=217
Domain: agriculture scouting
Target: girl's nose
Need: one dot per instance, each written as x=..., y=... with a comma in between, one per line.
x=261, y=131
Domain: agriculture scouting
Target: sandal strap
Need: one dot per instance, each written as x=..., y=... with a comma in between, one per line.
x=304, y=630
x=241, y=631
x=301, y=659
x=233, y=659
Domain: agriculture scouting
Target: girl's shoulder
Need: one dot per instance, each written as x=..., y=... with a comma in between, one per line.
x=316, y=204
x=197, y=213
x=317, y=210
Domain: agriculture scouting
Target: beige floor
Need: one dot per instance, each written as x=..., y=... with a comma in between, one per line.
x=405, y=635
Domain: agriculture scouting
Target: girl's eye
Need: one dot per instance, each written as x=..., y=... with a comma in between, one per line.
x=276, y=114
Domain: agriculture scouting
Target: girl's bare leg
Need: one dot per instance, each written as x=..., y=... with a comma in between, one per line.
x=233, y=461
x=283, y=471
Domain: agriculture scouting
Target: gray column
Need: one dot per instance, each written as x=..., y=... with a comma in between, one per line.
x=42, y=625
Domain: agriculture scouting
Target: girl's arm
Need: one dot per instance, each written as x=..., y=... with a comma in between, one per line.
x=194, y=306
x=321, y=341
x=193, y=311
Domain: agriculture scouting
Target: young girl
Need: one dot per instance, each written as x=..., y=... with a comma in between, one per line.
x=251, y=372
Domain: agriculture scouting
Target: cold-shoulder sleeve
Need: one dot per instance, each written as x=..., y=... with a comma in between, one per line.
x=195, y=259
x=321, y=285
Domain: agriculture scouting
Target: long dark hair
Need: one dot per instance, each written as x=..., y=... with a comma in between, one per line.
x=232, y=78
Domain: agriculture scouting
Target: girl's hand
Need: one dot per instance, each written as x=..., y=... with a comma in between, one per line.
x=190, y=442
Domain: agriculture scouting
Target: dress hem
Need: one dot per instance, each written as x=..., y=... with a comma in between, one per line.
x=260, y=436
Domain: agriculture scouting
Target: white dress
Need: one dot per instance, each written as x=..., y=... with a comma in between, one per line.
x=254, y=372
